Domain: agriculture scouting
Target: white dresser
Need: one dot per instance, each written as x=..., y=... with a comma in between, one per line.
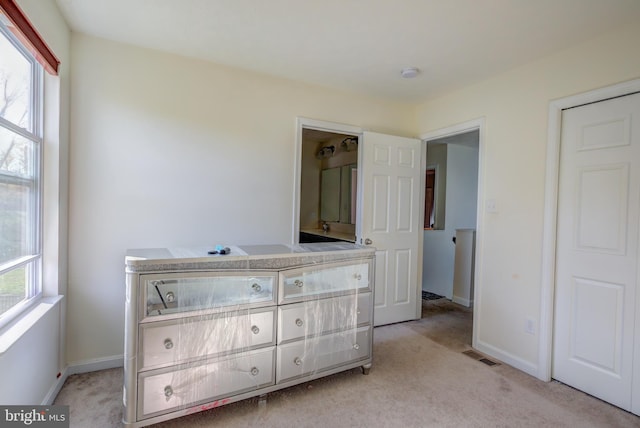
x=205, y=330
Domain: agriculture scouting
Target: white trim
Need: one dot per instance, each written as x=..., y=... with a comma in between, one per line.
x=472, y=125
x=547, y=289
x=459, y=128
x=55, y=389
x=13, y=264
x=462, y=301
x=304, y=122
x=79, y=368
x=423, y=195
x=94, y=365
x=505, y=357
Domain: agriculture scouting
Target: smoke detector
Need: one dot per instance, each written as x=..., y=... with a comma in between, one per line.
x=409, y=72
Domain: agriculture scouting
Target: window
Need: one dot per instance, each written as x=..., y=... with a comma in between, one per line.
x=21, y=80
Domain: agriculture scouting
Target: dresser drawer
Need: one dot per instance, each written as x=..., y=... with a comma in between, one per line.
x=168, y=294
x=317, y=317
x=164, y=343
x=322, y=353
x=161, y=391
x=323, y=280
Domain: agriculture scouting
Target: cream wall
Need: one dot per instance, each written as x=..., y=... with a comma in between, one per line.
x=515, y=106
x=172, y=151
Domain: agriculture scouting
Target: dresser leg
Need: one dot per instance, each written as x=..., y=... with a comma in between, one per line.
x=365, y=369
x=262, y=400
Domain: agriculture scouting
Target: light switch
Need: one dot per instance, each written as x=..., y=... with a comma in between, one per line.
x=491, y=205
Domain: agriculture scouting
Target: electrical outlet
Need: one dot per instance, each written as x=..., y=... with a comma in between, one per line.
x=529, y=326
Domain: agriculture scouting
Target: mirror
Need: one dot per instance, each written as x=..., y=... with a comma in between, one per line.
x=430, y=198
x=337, y=194
x=330, y=189
x=435, y=187
x=348, y=192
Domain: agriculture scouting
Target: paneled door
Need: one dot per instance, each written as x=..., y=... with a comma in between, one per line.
x=597, y=297
x=391, y=186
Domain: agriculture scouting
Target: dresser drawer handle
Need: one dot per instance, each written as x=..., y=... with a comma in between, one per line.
x=256, y=287
x=170, y=296
x=299, y=322
x=356, y=346
x=358, y=311
x=168, y=391
x=168, y=343
x=297, y=361
x=255, y=371
x=357, y=276
x=255, y=329
x=298, y=283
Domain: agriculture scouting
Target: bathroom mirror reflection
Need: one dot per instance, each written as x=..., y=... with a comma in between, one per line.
x=435, y=187
x=328, y=186
x=337, y=195
x=330, y=195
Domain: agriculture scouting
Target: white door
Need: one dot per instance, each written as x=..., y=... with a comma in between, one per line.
x=390, y=221
x=597, y=294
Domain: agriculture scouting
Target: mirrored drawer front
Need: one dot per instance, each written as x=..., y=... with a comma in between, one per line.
x=321, y=316
x=310, y=282
x=321, y=353
x=163, y=391
x=168, y=342
x=176, y=293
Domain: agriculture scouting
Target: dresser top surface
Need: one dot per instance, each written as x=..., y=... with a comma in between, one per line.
x=313, y=252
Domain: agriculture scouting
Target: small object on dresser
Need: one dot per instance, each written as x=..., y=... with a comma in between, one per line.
x=220, y=250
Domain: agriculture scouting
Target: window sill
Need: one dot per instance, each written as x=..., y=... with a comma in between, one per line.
x=10, y=334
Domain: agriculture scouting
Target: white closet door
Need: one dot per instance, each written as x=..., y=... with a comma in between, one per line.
x=597, y=296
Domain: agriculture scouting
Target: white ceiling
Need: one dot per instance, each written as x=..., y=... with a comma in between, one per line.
x=357, y=45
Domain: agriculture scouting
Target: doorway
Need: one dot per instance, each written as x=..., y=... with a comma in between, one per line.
x=388, y=213
x=454, y=161
x=454, y=154
x=317, y=144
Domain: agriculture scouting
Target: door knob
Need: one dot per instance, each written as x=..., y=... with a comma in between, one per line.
x=368, y=241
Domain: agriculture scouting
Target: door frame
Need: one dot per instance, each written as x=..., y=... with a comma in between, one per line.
x=547, y=289
x=461, y=128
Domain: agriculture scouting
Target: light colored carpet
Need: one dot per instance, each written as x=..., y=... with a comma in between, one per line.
x=420, y=378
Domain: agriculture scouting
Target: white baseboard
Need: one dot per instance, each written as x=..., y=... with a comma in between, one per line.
x=94, y=365
x=461, y=301
x=55, y=388
x=505, y=357
x=81, y=367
